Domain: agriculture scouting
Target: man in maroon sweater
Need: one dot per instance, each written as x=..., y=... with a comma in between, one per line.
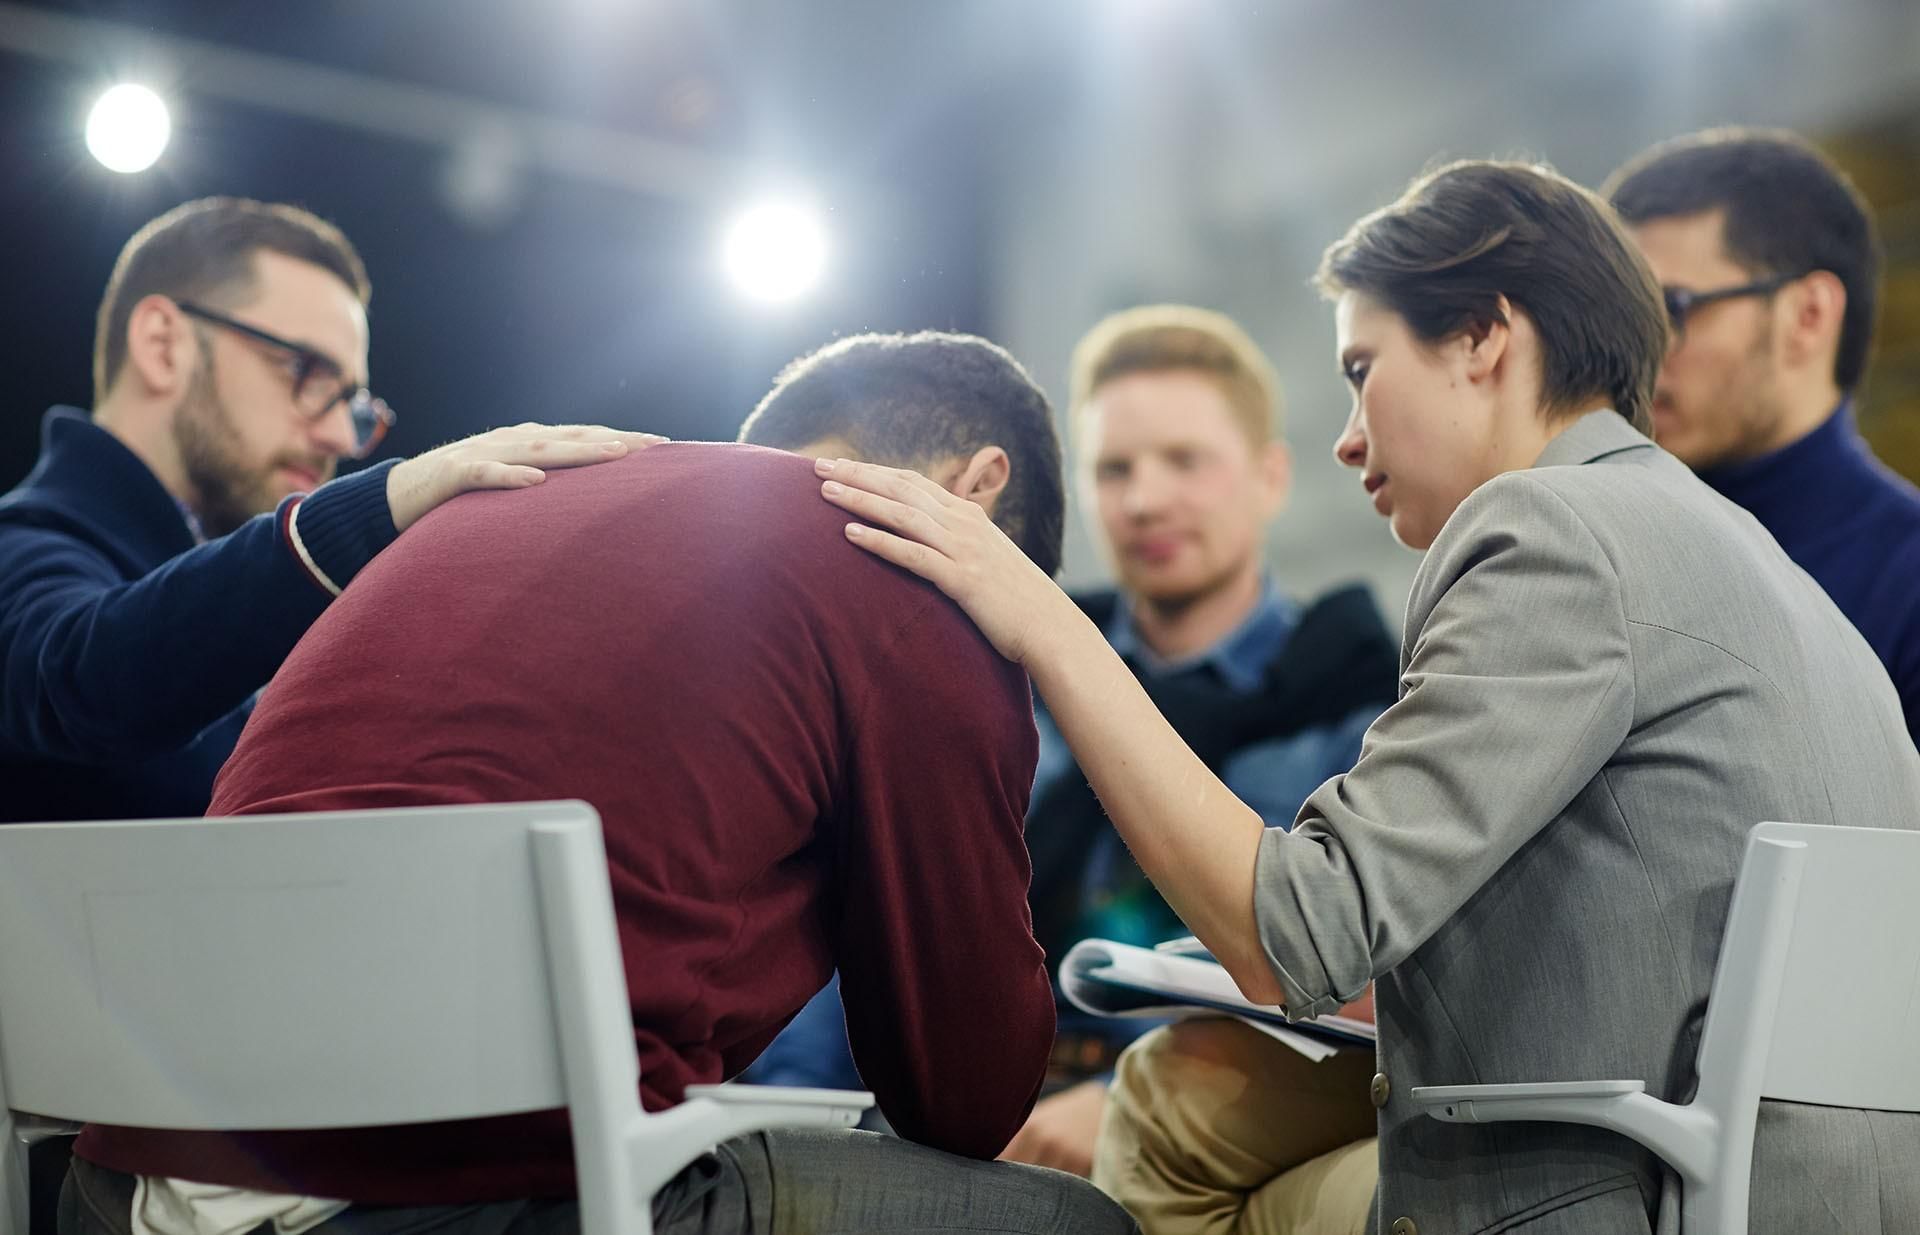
x=786, y=788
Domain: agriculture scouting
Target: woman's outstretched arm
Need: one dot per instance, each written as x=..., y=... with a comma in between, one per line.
x=1194, y=839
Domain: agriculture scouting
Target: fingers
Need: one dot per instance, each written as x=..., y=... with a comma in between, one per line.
x=1021, y=1147
x=549, y=446
x=550, y=452
x=635, y=440
x=532, y=431
x=897, y=483
x=1037, y=1147
x=1066, y=1158
x=493, y=474
x=910, y=522
x=599, y=433
x=936, y=568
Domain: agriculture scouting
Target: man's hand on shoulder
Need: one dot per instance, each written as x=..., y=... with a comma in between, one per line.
x=509, y=458
x=1062, y=1129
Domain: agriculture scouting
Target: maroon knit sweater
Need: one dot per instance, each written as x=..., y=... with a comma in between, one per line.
x=802, y=758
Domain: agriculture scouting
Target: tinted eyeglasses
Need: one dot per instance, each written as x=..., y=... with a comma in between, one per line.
x=318, y=386
x=1681, y=302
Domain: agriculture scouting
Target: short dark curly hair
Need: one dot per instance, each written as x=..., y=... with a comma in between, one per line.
x=911, y=400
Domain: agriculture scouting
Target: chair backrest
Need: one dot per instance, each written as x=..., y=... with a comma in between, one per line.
x=338, y=970
x=293, y=971
x=1816, y=999
x=343, y=969
x=1816, y=994
x=1847, y=1028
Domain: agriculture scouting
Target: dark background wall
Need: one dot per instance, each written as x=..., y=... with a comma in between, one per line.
x=578, y=301
x=1005, y=166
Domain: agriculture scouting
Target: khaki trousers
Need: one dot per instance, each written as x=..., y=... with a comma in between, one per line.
x=1212, y=1127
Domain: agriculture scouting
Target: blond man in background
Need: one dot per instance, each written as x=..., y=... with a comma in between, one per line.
x=1176, y=431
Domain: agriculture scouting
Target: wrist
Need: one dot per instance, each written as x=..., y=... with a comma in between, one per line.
x=1063, y=638
x=397, y=478
x=340, y=526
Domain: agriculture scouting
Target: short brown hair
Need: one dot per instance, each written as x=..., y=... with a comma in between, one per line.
x=203, y=250
x=912, y=400
x=1159, y=338
x=1789, y=210
x=1468, y=233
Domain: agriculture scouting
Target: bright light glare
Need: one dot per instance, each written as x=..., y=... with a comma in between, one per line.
x=775, y=251
x=128, y=128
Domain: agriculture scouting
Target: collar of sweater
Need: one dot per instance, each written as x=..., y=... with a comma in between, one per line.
x=86, y=475
x=1806, y=489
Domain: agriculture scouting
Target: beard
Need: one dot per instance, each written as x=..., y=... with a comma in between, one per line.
x=1755, y=407
x=1745, y=412
x=231, y=490
x=1170, y=601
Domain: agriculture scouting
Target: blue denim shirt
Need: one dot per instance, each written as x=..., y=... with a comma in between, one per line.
x=1273, y=777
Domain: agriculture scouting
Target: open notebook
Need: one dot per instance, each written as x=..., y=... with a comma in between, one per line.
x=1180, y=978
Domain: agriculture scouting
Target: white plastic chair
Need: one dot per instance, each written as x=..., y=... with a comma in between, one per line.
x=1816, y=999
x=340, y=970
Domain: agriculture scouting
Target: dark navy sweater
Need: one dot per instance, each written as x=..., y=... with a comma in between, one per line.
x=1854, y=525
x=129, y=654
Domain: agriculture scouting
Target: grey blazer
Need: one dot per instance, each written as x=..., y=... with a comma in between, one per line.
x=1610, y=674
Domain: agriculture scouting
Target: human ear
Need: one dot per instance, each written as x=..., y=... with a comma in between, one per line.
x=1275, y=462
x=982, y=478
x=161, y=347
x=1813, y=310
x=1487, y=342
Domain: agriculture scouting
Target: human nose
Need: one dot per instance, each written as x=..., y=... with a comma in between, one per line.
x=332, y=431
x=1147, y=490
x=1350, y=448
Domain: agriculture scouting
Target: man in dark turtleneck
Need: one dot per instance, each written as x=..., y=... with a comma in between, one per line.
x=1771, y=268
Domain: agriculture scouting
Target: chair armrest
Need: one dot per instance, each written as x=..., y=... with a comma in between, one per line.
x=740, y=1109
x=31, y=1128
x=661, y=1144
x=783, y=1095
x=1682, y=1135
x=1489, y=1103
x=733, y=1110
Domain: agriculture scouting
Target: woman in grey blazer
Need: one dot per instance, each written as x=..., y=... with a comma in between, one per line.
x=1609, y=675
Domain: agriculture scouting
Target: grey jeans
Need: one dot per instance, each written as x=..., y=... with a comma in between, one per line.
x=785, y=1182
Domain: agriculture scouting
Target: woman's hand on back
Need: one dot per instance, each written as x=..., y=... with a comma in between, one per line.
x=912, y=522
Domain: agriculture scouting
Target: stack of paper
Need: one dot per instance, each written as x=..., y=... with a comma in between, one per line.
x=1180, y=978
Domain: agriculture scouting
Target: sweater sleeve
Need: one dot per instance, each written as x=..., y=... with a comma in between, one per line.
x=948, y=1007
x=96, y=668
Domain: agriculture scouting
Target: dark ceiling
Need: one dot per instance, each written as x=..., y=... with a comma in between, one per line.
x=582, y=301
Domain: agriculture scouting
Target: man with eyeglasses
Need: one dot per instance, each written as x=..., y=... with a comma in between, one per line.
x=170, y=548
x=1771, y=268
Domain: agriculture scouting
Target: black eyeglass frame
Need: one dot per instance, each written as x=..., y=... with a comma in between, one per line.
x=1682, y=303
x=371, y=416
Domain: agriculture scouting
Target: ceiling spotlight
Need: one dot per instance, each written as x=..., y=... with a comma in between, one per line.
x=128, y=128
x=775, y=251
